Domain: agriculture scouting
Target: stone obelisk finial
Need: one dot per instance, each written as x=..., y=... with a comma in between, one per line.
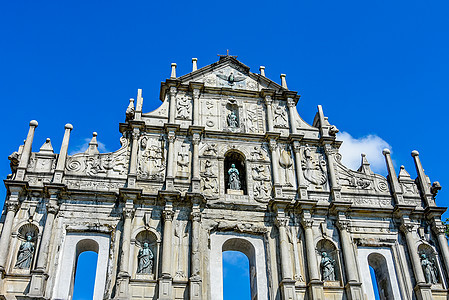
x=173, y=71
x=283, y=81
x=194, y=64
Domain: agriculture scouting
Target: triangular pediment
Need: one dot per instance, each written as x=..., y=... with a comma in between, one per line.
x=228, y=72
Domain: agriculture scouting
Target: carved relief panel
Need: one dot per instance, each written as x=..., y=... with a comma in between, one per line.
x=151, y=158
x=184, y=109
x=209, y=113
x=183, y=158
x=314, y=167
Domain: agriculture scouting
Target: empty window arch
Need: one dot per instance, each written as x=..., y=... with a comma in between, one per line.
x=236, y=276
x=243, y=251
x=85, y=271
x=378, y=263
x=74, y=245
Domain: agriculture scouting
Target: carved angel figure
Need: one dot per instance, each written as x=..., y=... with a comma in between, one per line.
x=231, y=78
x=145, y=260
x=183, y=108
x=429, y=269
x=280, y=117
x=25, y=254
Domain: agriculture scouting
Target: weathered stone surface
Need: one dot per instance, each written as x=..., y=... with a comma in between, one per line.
x=225, y=163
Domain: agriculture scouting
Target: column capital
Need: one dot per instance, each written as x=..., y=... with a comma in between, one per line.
x=407, y=227
x=128, y=212
x=196, y=216
x=168, y=215
x=52, y=208
x=282, y=221
x=307, y=222
x=343, y=225
x=12, y=206
x=439, y=229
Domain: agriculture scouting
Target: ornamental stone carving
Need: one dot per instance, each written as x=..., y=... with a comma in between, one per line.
x=25, y=253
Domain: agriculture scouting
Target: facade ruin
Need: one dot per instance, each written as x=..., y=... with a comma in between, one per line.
x=225, y=163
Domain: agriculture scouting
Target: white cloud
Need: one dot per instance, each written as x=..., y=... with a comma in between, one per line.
x=372, y=145
x=83, y=147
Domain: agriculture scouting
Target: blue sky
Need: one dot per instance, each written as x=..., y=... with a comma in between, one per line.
x=379, y=68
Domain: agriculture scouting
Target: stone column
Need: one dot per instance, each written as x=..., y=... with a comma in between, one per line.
x=302, y=187
x=12, y=205
x=422, y=289
x=26, y=152
x=39, y=274
x=275, y=167
x=195, y=276
x=196, y=162
x=315, y=283
x=291, y=111
x=269, y=103
x=132, y=174
x=287, y=283
x=122, y=291
x=353, y=286
x=165, y=282
x=172, y=105
x=335, y=187
x=170, y=160
x=196, y=107
x=60, y=165
x=440, y=232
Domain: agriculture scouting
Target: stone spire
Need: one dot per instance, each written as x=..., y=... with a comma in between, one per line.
x=365, y=166
x=262, y=70
x=46, y=148
x=93, y=145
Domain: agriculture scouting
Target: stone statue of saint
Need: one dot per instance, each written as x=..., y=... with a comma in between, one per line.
x=145, y=260
x=233, y=120
x=327, y=267
x=25, y=254
x=234, y=180
x=429, y=269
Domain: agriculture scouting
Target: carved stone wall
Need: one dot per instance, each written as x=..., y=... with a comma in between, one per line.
x=162, y=209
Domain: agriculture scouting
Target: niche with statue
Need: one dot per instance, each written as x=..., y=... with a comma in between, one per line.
x=145, y=255
x=235, y=173
x=328, y=259
x=27, y=238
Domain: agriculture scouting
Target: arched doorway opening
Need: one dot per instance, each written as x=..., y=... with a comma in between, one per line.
x=85, y=270
x=379, y=266
x=236, y=276
x=240, y=257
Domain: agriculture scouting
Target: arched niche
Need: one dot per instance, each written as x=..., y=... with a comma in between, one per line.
x=26, y=244
x=74, y=244
x=430, y=264
x=329, y=262
x=235, y=160
x=138, y=243
x=379, y=264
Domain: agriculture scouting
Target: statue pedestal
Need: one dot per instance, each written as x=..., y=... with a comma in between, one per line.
x=235, y=192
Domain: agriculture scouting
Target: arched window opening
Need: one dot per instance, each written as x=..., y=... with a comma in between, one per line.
x=378, y=263
x=85, y=271
x=235, y=173
x=239, y=270
x=83, y=280
x=374, y=282
x=236, y=276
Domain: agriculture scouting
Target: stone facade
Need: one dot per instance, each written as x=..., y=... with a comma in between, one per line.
x=225, y=163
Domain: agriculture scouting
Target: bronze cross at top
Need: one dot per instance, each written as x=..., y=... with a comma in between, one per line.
x=227, y=54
